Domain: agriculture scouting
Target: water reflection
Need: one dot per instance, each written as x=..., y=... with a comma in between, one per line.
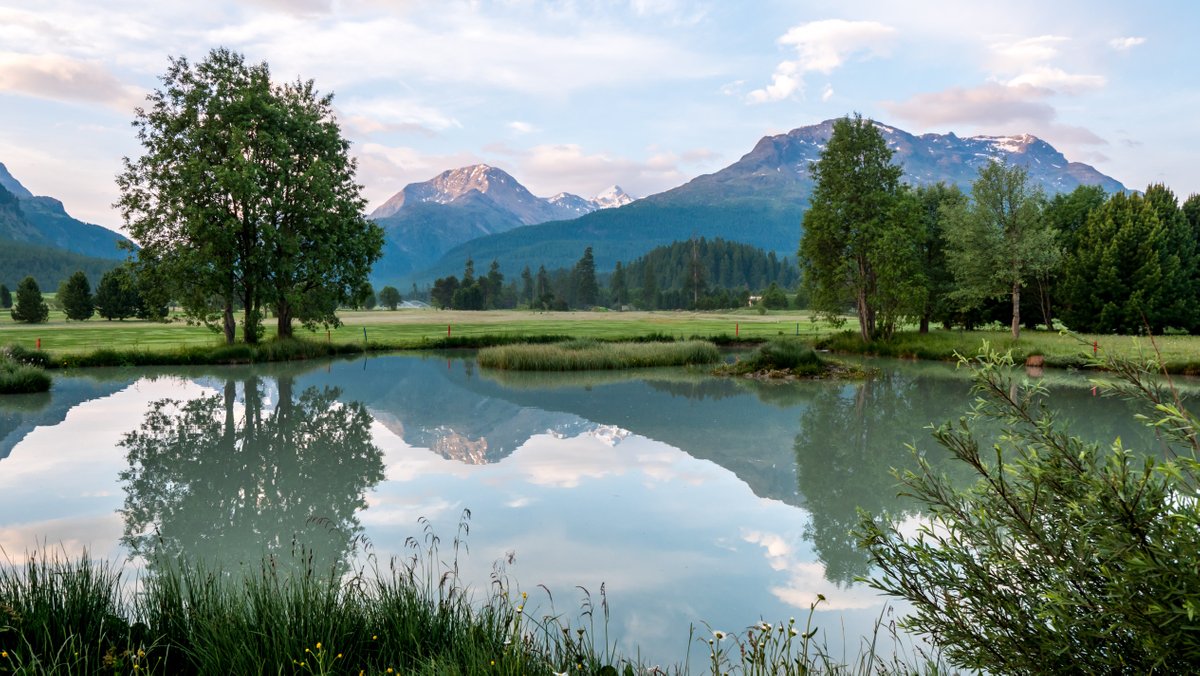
x=227, y=480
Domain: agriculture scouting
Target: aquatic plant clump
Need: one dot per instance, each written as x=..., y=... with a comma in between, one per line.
x=19, y=375
x=592, y=355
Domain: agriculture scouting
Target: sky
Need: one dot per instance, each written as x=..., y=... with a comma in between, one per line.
x=576, y=96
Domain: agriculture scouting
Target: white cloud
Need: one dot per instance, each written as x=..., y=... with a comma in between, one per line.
x=1125, y=44
x=821, y=47
x=61, y=78
x=827, y=93
x=1029, y=62
x=1048, y=77
x=369, y=116
x=519, y=127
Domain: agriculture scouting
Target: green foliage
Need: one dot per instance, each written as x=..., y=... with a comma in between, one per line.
x=860, y=238
x=588, y=355
x=704, y=274
x=933, y=202
x=1126, y=273
x=389, y=297
x=774, y=298
x=783, y=355
x=584, y=276
x=117, y=295
x=6, y=300
x=29, y=307
x=75, y=297
x=1065, y=555
x=50, y=264
x=22, y=373
x=245, y=197
x=999, y=241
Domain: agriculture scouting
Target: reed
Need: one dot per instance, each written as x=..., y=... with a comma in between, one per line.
x=412, y=615
x=592, y=355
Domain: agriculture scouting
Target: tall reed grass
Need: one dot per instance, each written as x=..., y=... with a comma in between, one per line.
x=592, y=355
x=412, y=615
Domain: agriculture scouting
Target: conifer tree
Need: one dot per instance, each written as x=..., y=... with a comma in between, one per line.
x=29, y=307
x=5, y=297
x=586, y=289
x=75, y=297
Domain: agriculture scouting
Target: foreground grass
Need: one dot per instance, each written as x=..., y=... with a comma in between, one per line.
x=413, y=617
x=592, y=355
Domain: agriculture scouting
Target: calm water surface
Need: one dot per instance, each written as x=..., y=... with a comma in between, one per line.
x=691, y=499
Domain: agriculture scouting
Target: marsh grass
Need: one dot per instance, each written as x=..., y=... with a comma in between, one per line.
x=21, y=372
x=592, y=355
x=412, y=615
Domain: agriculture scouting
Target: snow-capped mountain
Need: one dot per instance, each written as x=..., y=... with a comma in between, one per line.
x=503, y=191
x=778, y=166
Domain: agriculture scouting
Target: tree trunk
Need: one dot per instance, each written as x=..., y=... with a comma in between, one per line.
x=228, y=324
x=1016, y=310
x=283, y=312
x=924, y=323
x=252, y=320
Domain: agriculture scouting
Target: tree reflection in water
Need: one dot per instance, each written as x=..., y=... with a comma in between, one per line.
x=221, y=487
x=850, y=439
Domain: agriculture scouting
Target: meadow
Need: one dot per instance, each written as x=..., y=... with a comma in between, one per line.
x=152, y=342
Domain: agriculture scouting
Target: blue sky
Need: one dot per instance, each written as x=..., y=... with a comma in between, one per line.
x=577, y=96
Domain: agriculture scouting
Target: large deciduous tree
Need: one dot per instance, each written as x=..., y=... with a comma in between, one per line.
x=999, y=240
x=860, y=231
x=245, y=197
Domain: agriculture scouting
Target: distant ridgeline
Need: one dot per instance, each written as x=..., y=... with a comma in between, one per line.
x=39, y=238
x=759, y=200
x=694, y=274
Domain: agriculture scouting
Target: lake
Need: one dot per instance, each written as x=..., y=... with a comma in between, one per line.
x=692, y=500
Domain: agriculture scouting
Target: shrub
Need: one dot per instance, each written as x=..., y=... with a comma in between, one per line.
x=1064, y=555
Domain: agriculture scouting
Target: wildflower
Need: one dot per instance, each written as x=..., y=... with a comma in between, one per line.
x=520, y=608
x=318, y=645
x=719, y=635
x=392, y=671
x=339, y=656
x=4, y=654
x=374, y=637
x=792, y=632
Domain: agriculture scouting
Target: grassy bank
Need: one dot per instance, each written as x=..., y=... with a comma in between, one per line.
x=592, y=355
x=21, y=375
x=1179, y=354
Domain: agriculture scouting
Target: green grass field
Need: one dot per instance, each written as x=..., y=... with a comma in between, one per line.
x=406, y=329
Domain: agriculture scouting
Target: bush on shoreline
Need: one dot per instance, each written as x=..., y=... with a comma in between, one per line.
x=21, y=372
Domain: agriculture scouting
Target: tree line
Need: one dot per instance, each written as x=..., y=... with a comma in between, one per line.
x=894, y=254
x=118, y=296
x=694, y=274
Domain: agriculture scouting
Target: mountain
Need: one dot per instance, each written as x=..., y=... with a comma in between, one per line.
x=43, y=221
x=424, y=220
x=759, y=200
x=20, y=257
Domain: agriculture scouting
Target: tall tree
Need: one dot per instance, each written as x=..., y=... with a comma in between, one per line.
x=117, y=294
x=854, y=230
x=999, y=241
x=586, y=289
x=649, y=287
x=5, y=297
x=29, y=307
x=389, y=297
x=493, y=286
x=618, y=288
x=245, y=196
x=75, y=297
x=933, y=201
x=545, y=296
x=527, y=286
